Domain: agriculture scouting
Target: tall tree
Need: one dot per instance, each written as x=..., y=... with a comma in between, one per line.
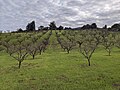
x=31, y=26
x=52, y=25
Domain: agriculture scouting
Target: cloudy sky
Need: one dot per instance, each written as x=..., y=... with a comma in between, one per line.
x=17, y=13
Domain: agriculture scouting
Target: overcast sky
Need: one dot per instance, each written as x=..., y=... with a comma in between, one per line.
x=16, y=14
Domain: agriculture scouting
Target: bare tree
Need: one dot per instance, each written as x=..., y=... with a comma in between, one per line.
x=32, y=50
x=18, y=52
x=108, y=43
x=88, y=47
x=5, y=43
x=117, y=42
x=40, y=47
x=45, y=43
x=34, y=39
x=67, y=45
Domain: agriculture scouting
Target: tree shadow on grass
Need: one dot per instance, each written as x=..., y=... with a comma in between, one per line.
x=36, y=58
x=85, y=65
x=108, y=55
x=15, y=67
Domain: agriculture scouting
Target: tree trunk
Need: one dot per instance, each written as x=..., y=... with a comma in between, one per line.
x=20, y=64
x=10, y=54
x=109, y=52
x=89, y=62
x=68, y=51
x=43, y=49
x=33, y=56
x=40, y=51
x=7, y=50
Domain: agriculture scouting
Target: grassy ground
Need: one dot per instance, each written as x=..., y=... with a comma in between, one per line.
x=57, y=70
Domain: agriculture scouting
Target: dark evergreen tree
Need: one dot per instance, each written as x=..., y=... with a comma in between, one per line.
x=19, y=30
x=86, y=27
x=115, y=27
x=52, y=25
x=41, y=28
x=105, y=27
x=60, y=27
x=46, y=28
x=31, y=26
x=93, y=26
x=68, y=28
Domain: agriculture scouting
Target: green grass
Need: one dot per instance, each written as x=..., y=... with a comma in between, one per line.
x=57, y=70
x=61, y=71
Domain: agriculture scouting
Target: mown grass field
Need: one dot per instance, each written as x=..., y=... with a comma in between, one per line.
x=57, y=70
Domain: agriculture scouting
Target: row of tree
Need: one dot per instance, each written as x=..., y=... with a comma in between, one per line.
x=88, y=41
x=20, y=46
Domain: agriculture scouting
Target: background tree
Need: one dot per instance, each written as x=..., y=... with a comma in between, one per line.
x=32, y=50
x=40, y=47
x=30, y=26
x=41, y=28
x=117, y=42
x=60, y=27
x=93, y=26
x=5, y=43
x=52, y=25
x=105, y=27
x=66, y=44
x=108, y=42
x=19, y=30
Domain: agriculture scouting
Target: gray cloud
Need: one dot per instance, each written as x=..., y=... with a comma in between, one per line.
x=17, y=13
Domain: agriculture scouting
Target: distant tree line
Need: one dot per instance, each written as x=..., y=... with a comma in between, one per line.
x=115, y=27
x=52, y=26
